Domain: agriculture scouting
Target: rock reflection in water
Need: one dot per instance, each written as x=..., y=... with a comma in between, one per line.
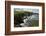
x=27, y=22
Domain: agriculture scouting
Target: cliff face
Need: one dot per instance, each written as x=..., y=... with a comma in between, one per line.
x=19, y=16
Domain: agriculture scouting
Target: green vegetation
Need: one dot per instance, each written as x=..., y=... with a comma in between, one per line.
x=22, y=13
x=35, y=23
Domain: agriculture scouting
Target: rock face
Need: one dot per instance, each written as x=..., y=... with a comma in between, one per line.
x=20, y=17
